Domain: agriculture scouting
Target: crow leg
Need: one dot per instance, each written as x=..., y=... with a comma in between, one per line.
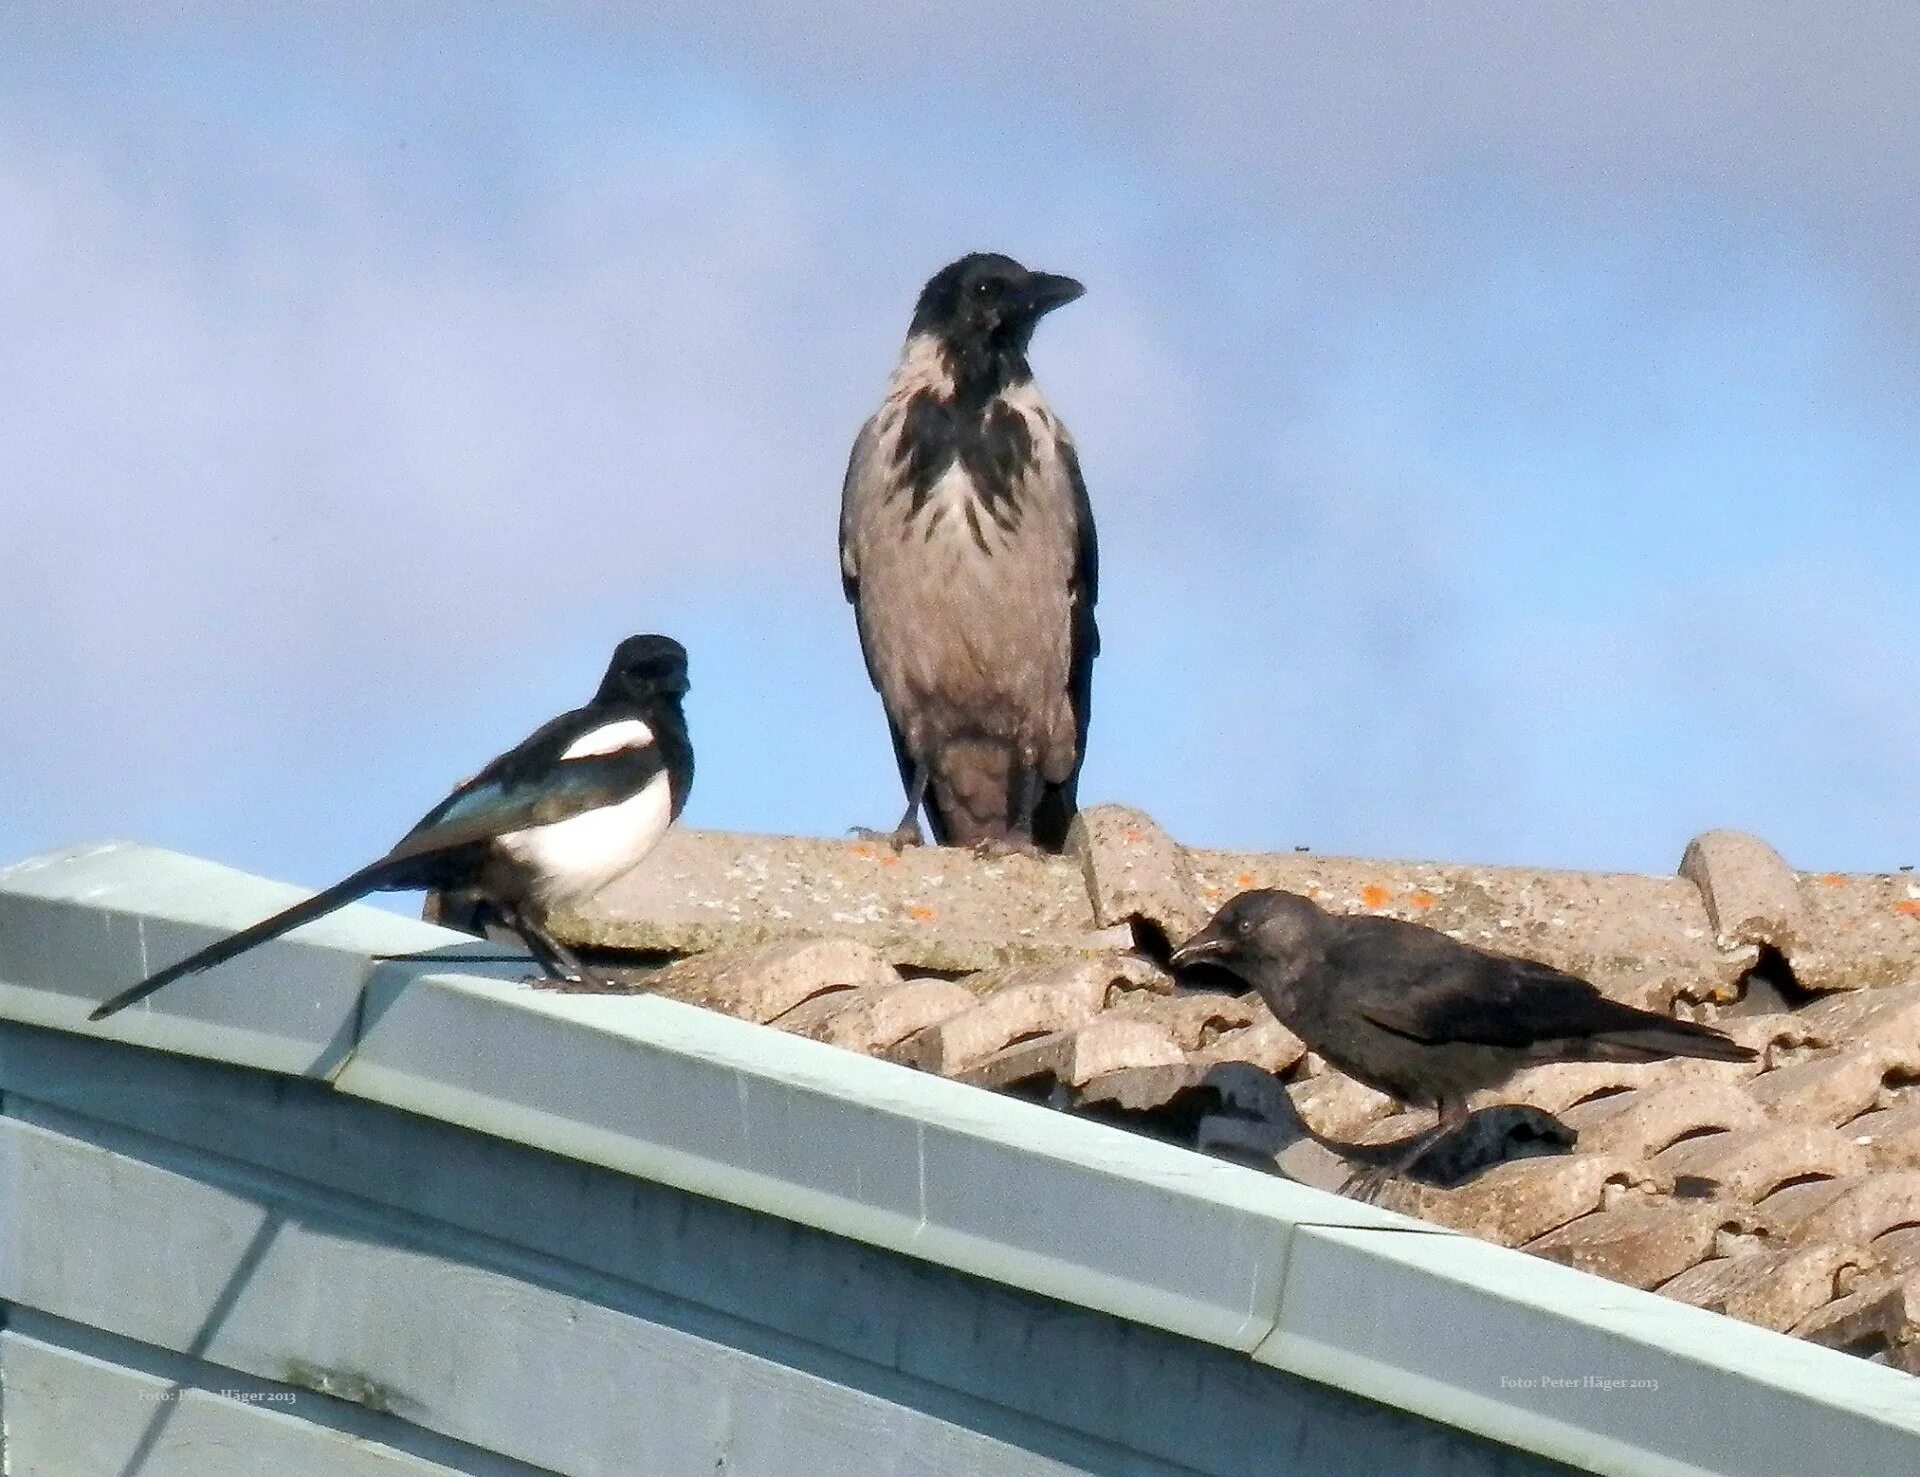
x=907, y=833
x=1025, y=798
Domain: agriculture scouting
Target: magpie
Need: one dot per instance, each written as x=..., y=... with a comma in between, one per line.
x=967, y=550
x=575, y=805
x=1423, y=1017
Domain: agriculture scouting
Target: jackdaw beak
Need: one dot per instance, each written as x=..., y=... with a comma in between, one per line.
x=1204, y=946
x=1044, y=291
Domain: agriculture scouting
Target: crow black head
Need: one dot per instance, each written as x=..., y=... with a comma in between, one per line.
x=989, y=302
x=1261, y=935
x=644, y=668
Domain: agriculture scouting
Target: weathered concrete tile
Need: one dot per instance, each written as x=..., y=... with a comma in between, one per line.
x=1644, y=1241
x=1194, y=1021
x=1751, y=895
x=1749, y=1163
x=1135, y=870
x=1029, y=1002
x=1515, y=1203
x=1639, y=1124
x=930, y=907
x=1265, y=1044
x=874, y=1017
x=762, y=982
x=1076, y=1056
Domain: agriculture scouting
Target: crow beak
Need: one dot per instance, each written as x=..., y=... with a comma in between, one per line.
x=1045, y=291
x=1203, y=946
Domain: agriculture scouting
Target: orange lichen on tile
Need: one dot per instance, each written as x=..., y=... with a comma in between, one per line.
x=861, y=848
x=1909, y=906
x=1245, y=879
x=1373, y=895
x=1132, y=835
x=920, y=913
x=1422, y=899
x=1833, y=879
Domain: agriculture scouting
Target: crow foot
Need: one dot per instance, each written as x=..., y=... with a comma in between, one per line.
x=995, y=847
x=898, y=839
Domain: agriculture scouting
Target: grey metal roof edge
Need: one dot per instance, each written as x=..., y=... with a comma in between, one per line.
x=1387, y=1307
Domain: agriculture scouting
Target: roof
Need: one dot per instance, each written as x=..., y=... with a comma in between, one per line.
x=1286, y=1275
x=1785, y=1192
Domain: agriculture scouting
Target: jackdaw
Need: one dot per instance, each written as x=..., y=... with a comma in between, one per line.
x=557, y=817
x=967, y=549
x=1420, y=1016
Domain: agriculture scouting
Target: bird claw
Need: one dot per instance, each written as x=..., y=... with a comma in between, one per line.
x=1367, y=1185
x=993, y=848
x=898, y=839
x=580, y=979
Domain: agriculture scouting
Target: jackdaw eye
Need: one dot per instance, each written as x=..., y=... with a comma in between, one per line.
x=985, y=288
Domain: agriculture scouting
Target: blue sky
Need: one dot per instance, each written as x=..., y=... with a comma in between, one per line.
x=1500, y=418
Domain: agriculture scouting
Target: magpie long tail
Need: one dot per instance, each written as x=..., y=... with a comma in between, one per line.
x=368, y=879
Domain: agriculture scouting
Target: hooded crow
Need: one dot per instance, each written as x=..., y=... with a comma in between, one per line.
x=575, y=805
x=967, y=549
x=1421, y=1016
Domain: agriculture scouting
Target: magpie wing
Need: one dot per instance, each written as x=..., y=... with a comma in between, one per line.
x=538, y=783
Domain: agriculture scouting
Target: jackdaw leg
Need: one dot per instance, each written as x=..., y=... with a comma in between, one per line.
x=1367, y=1184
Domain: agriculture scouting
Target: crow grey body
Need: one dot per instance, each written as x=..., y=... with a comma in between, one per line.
x=967, y=549
x=1421, y=1016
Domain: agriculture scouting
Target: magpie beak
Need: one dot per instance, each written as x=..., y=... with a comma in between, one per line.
x=1045, y=291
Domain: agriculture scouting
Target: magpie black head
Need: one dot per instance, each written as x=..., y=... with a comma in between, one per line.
x=988, y=304
x=644, y=668
x=1265, y=931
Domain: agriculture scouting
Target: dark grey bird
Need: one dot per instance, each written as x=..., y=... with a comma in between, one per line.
x=1421, y=1016
x=967, y=548
x=557, y=817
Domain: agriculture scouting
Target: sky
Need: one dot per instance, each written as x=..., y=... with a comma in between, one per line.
x=1499, y=417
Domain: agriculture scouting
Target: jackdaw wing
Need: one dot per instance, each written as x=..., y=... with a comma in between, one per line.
x=1519, y=1004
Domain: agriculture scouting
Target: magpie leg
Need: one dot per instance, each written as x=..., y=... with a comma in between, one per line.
x=555, y=958
x=907, y=833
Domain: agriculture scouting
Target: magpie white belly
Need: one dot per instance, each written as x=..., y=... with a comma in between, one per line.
x=574, y=858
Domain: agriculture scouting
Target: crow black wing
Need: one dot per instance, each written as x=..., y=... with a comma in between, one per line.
x=1058, y=803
